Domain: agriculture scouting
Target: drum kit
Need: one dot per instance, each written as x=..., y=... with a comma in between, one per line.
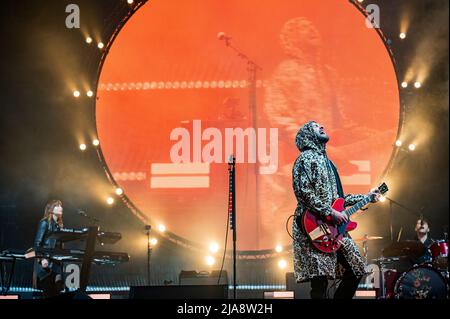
x=410, y=270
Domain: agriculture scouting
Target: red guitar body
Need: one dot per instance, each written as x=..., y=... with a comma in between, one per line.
x=324, y=234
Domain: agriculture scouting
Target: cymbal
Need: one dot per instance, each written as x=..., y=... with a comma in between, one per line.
x=411, y=248
x=387, y=260
x=364, y=238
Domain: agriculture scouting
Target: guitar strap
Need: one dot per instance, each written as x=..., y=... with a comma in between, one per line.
x=340, y=189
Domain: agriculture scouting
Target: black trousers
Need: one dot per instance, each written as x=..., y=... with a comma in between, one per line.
x=49, y=279
x=347, y=287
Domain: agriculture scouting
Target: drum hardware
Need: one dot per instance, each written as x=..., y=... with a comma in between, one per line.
x=388, y=276
x=364, y=241
x=426, y=280
x=411, y=248
x=439, y=254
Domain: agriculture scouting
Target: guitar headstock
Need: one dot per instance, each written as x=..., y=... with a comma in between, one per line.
x=383, y=188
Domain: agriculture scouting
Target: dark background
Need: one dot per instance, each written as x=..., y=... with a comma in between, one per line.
x=40, y=121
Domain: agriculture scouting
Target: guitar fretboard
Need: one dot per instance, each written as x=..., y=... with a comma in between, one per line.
x=350, y=211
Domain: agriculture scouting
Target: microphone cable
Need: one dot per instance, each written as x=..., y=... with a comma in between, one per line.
x=287, y=228
x=225, y=248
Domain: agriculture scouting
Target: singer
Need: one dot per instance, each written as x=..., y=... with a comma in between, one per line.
x=47, y=275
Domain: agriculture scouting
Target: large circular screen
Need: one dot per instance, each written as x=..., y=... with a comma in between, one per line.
x=174, y=101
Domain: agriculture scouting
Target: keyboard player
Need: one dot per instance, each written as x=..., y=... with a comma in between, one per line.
x=47, y=274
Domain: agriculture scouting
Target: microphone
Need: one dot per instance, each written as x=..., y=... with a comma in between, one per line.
x=222, y=36
x=81, y=212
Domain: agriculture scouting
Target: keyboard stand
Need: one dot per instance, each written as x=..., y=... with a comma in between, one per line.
x=89, y=252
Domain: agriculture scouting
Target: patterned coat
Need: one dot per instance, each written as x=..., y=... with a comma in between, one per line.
x=315, y=186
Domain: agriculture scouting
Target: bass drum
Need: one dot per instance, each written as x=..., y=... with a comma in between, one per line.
x=421, y=282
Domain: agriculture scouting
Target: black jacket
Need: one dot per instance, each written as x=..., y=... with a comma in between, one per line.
x=426, y=257
x=45, y=229
x=43, y=240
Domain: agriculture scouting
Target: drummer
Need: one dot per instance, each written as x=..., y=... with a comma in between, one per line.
x=423, y=235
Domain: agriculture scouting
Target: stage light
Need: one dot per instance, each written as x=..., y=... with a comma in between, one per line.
x=88, y=40
x=417, y=84
x=89, y=93
x=278, y=248
x=110, y=200
x=402, y=35
x=161, y=228
x=130, y=1
x=411, y=147
x=83, y=146
x=382, y=198
x=95, y=142
x=404, y=85
x=398, y=143
x=100, y=45
x=210, y=260
x=213, y=247
x=360, y=1
x=119, y=191
x=153, y=241
x=282, y=264
x=76, y=93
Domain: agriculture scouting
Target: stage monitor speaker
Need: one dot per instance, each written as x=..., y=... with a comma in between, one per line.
x=192, y=277
x=179, y=292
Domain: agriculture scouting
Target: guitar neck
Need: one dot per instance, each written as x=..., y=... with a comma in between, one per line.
x=349, y=212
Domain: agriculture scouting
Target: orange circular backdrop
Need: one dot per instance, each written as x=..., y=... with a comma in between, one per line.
x=170, y=93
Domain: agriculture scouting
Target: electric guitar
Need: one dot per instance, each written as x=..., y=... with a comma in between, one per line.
x=324, y=234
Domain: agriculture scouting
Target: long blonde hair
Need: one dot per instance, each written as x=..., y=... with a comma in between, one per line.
x=48, y=212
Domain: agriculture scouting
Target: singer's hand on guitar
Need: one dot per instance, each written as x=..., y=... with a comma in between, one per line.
x=374, y=195
x=338, y=217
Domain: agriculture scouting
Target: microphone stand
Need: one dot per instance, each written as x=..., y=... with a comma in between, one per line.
x=391, y=214
x=252, y=69
x=94, y=220
x=366, y=249
x=241, y=54
x=232, y=213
